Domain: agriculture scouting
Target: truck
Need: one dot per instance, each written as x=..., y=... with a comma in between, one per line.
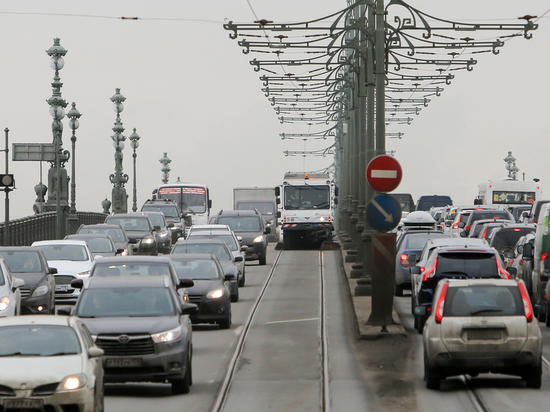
x=307, y=207
x=193, y=200
x=262, y=199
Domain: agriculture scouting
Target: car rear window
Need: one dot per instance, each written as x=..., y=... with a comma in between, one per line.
x=483, y=300
x=467, y=265
x=489, y=214
x=506, y=238
x=419, y=241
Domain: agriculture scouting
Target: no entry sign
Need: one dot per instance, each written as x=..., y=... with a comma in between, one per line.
x=384, y=173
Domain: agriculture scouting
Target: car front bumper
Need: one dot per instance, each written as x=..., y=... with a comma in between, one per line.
x=80, y=399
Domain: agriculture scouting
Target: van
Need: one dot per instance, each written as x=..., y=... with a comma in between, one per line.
x=406, y=201
x=428, y=201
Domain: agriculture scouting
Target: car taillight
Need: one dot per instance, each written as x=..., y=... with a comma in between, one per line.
x=441, y=303
x=543, y=257
x=467, y=227
x=455, y=226
x=484, y=234
x=403, y=260
x=501, y=271
x=526, y=302
x=430, y=273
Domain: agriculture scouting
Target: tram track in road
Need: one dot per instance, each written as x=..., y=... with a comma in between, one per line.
x=324, y=401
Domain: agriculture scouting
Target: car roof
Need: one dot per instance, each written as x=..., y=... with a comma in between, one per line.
x=129, y=215
x=60, y=242
x=191, y=256
x=19, y=249
x=102, y=225
x=194, y=241
x=200, y=228
x=54, y=320
x=454, y=241
x=477, y=282
x=238, y=213
x=134, y=259
x=211, y=233
x=126, y=281
x=466, y=249
x=81, y=236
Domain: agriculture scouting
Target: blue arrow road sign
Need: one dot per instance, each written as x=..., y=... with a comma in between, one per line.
x=384, y=213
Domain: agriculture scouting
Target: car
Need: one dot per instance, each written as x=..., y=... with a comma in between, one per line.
x=405, y=201
x=30, y=265
x=73, y=260
x=536, y=210
x=53, y=365
x=211, y=290
x=163, y=233
x=140, y=231
x=250, y=225
x=427, y=201
x=505, y=237
x=142, y=327
x=454, y=262
x=171, y=212
x=116, y=232
x=10, y=295
x=414, y=222
x=100, y=244
x=477, y=226
x=520, y=212
x=478, y=214
x=481, y=326
x=218, y=248
x=232, y=242
x=411, y=242
x=518, y=262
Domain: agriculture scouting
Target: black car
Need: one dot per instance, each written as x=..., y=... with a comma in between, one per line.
x=250, y=225
x=30, y=264
x=142, y=327
x=211, y=291
x=171, y=212
x=99, y=244
x=218, y=248
x=163, y=233
x=140, y=231
x=116, y=232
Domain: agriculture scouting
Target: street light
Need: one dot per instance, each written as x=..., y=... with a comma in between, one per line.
x=134, y=137
x=118, y=179
x=165, y=168
x=73, y=115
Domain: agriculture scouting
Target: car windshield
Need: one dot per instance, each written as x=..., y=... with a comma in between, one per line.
x=22, y=262
x=75, y=253
x=132, y=224
x=116, y=234
x=157, y=219
x=215, y=249
x=38, y=340
x=100, y=245
x=129, y=268
x=483, y=300
x=168, y=211
x=228, y=239
x=419, y=241
x=241, y=223
x=113, y=302
x=196, y=269
x=467, y=264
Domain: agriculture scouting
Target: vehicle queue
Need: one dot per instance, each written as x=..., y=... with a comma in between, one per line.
x=130, y=298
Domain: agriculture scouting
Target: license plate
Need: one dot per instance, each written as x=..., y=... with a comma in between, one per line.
x=61, y=288
x=23, y=403
x=123, y=363
x=485, y=334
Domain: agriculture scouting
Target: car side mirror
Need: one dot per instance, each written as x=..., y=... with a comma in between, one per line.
x=463, y=234
x=267, y=230
x=461, y=224
x=229, y=278
x=414, y=270
x=528, y=251
x=238, y=258
x=52, y=271
x=244, y=248
x=189, y=308
x=448, y=223
x=156, y=227
x=420, y=311
x=17, y=283
x=170, y=225
x=509, y=254
x=95, y=352
x=77, y=283
x=119, y=251
x=512, y=271
x=279, y=215
x=185, y=283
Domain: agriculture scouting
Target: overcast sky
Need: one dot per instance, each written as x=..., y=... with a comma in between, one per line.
x=192, y=93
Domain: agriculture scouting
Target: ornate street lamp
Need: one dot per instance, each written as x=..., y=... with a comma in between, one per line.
x=165, y=168
x=118, y=179
x=57, y=175
x=73, y=115
x=134, y=137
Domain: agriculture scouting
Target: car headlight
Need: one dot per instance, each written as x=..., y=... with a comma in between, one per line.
x=124, y=252
x=148, y=240
x=40, y=291
x=4, y=303
x=258, y=239
x=71, y=383
x=214, y=294
x=83, y=274
x=168, y=336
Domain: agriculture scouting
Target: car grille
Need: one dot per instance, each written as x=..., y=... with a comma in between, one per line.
x=150, y=370
x=6, y=391
x=25, y=292
x=45, y=390
x=195, y=298
x=132, y=346
x=63, y=279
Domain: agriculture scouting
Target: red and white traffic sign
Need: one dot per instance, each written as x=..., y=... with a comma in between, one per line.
x=384, y=173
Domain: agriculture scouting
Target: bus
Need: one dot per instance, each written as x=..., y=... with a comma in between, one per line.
x=506, y=192
x=193, y=200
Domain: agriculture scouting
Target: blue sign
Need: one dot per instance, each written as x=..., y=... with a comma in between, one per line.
x=384, y=213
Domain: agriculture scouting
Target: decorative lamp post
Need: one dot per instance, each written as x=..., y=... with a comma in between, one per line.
x=165, y=168
x=118, y=179
x=73, y=115
x=134, y=137
x=57, y=175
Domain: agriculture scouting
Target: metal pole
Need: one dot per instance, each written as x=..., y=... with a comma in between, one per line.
x=7, y=201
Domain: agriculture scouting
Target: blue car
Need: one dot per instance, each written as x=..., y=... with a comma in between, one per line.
x=411, y=242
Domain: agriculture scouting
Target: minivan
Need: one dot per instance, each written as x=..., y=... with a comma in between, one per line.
x=428, y=201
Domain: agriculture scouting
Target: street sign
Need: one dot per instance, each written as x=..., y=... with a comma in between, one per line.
x=384, y=173
x=384, y=213
x=33, y=152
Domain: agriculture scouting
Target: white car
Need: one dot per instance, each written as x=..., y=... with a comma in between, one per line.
x=10, y=295
x=53, y=364
x=73, y=260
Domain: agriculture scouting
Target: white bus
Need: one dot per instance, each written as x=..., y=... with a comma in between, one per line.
x=192, y=199
x=506, y=192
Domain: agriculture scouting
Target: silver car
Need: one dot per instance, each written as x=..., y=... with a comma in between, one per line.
x=10, y=294
x=481, y=326
x=53, y=364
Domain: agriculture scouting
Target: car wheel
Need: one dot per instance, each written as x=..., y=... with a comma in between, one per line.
x=181, y=386
x=534, y=377
x=226, y=323
x=432, y=378
x=241, y=281
x=399, y=290
x=421, y=322
x=263, y=259
x=235, y=297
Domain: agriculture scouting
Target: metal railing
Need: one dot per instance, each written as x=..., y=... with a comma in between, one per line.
x=26, y=230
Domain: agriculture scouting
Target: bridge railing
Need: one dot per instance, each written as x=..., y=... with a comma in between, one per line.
x=26, y=230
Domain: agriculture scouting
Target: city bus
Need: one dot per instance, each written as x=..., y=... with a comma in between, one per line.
x=193, y=200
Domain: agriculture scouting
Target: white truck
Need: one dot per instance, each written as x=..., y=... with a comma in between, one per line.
x=307, y=208
x=264, y=200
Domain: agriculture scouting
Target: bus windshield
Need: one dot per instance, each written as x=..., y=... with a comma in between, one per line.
x=191, y=199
